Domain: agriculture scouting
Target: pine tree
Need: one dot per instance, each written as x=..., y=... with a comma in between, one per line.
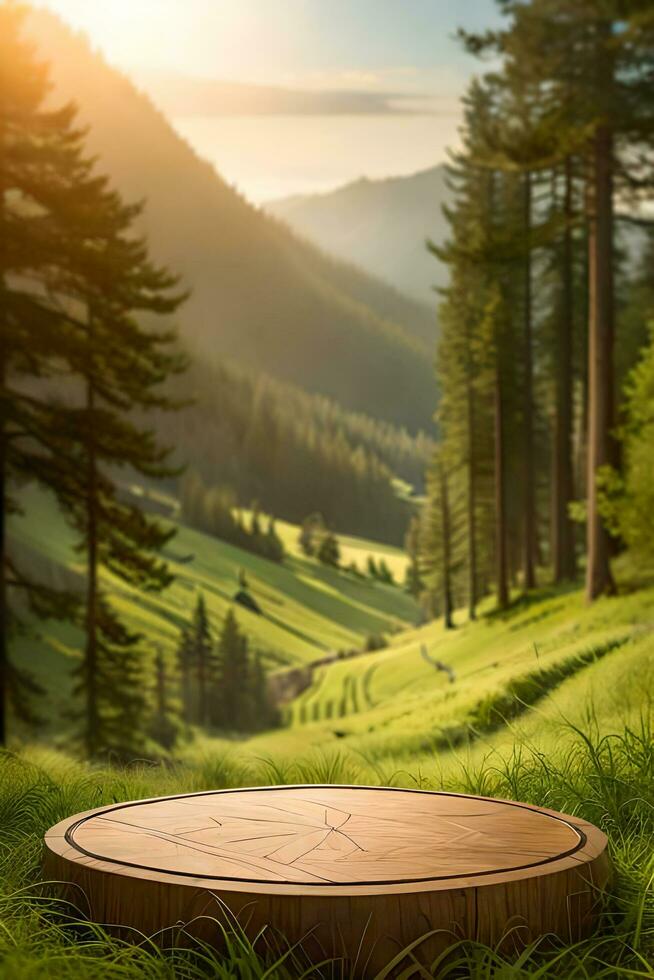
x=235, y=704
x=476, y=365
x=164, y=726
x=255, y=522
x=106, y=280
x=413, y=584
x=329, y=552
x=273, y=547
x=463, y=371
x=198, y=669
x=384, y=572
x=563, y=361
x=438, y=542
x=446, y=537
x=185, y=669
x=40, y=156
x=203, y=661
x=120, y=708
x=311, y=534
x=264, y=714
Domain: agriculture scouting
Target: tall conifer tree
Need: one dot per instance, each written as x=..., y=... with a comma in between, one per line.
x=40, y=164
x=117, y=366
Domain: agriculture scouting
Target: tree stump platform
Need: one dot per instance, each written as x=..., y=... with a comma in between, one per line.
x=348, y=871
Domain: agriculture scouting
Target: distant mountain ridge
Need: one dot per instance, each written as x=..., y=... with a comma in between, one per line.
x=260, y=296
x=379, y=225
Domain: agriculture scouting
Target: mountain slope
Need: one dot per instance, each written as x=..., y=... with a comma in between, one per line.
x=380, y=225
x=260, y=295
x=295, y=453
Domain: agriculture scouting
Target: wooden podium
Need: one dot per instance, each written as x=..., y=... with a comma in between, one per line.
x=348, y=871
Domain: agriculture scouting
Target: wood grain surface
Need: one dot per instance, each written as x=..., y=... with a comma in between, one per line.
x=345, y=869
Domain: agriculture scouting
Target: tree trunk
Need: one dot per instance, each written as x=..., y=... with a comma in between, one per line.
x=529, y=502
x=599, y=580
x=472, y=503
x=581, y=446
x=446, y=552
x=563, y=544
x=91, y=651
x=500, y=495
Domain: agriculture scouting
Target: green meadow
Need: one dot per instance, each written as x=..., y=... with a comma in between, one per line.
x=308, y=611
x=552, y=704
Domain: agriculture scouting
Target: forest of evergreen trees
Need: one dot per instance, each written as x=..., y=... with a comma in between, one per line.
x=543, y=422
x=223, y=683
x=215, y=511
x=295, y=452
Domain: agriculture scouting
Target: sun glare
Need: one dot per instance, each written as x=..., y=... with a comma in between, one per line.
x=125, y=31
x=160, y=34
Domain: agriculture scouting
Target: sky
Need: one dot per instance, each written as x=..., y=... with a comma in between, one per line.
x=400, y=52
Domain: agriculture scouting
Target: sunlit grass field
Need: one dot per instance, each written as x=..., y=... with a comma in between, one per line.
x=519, y=674
x=354, y=551
x=308, y=611
x=551, y=703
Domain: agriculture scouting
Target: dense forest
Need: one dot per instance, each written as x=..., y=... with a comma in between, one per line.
x=295, y=453
x=543, y=361
x=223, y=684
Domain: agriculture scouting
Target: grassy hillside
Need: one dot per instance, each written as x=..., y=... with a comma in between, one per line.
x=308, y=610
x=259, y=294
x=517, y=676
x=380, y=226
x=583, y=745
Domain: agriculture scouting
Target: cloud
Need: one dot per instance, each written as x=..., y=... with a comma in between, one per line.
x=180, y=95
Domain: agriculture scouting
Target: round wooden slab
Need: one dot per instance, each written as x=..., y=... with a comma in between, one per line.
x=347, y=869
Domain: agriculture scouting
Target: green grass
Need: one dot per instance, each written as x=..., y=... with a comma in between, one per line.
x=570, y=729
x=552, y=705
x=396, y=709
x=606, y=778
x=308, y=610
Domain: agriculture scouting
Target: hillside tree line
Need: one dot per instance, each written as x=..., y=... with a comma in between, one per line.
x=222, y=681
x=295, y=452
x=545, y=316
